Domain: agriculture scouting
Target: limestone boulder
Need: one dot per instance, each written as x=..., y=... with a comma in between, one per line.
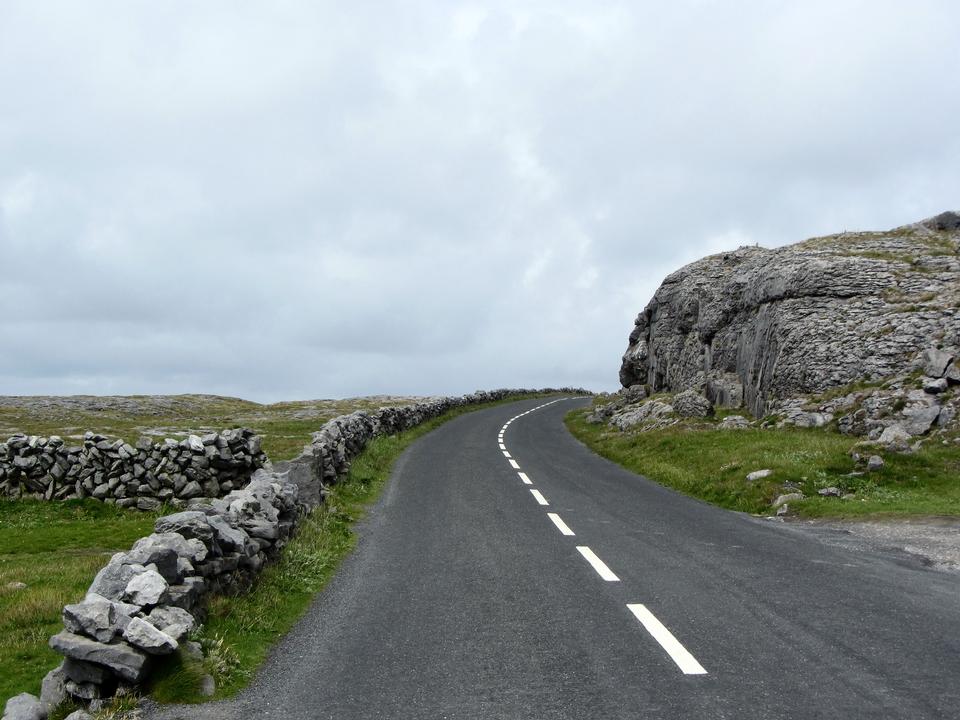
x=757, y=325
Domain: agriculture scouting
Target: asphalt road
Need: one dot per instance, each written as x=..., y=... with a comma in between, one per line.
x=465, y=599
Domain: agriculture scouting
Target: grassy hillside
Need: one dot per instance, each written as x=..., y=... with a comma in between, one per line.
x=702, y=461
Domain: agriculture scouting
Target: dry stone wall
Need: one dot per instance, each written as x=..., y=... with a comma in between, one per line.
x=143, y=476
x=145, y=602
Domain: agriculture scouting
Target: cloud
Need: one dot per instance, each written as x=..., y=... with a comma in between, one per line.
x=327, y=200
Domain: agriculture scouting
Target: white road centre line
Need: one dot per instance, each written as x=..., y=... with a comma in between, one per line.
x=677, y=652
x=561, y=525
x=539, y=498
x=526, y=480
x=514, y=465
x=506, y=454
x=602, y=570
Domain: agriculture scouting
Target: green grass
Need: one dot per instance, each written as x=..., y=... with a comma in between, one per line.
x=240, y=630
x=712, y=464
x=56, y=549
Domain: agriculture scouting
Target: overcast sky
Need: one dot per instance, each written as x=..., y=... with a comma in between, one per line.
x=281, y=200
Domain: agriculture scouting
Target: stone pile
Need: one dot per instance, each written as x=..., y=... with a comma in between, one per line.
x=143, y=476
x=145, y=602
x=896, y=413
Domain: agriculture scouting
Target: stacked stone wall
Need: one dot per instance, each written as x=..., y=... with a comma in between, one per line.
x=145, y=476
x=143, y=605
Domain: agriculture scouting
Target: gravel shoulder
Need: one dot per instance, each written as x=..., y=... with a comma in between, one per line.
x=933, y=542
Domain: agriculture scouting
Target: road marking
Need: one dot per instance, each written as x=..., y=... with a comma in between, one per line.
x=514, y=465
x=502, y=446
x=602, y=570
x=506, y=454
x=540, y=498
x=677, y=652
x=561, y=525
x=526, y=480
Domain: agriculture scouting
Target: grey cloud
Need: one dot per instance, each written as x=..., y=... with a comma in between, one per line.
x=325, y=200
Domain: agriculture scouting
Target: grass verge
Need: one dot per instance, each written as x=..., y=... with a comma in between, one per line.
x=240, y=630
x=712, y=464
x=53, y=549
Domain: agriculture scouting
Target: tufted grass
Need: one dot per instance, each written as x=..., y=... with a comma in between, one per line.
x=712, y=464
x=55, y=549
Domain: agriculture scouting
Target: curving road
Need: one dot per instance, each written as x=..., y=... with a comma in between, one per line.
x=567, y=587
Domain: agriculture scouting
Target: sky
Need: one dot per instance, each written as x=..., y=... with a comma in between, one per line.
x=299, y=199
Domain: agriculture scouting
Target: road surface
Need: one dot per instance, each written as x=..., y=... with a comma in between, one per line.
x=508, y=572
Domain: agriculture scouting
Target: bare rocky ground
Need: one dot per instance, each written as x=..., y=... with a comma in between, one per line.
x=285, y=426
x=932, y=542
x=19, y=410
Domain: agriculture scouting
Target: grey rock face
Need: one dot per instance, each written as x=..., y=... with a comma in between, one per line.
x=894, y=435
x=146, y=589
x=145, y=636
x=53, y=689
x=24, y=707
x=797, y=320
x=782, y=500
x=934, y=362
x=127, y=662
x=95, y=619
x=734, y=422
x=81, y=671
x=188, y=524
x=175, y=622
x=112, y=580
x=935, y=387
x=633, y=414
x=690, y=403
x=79, y=715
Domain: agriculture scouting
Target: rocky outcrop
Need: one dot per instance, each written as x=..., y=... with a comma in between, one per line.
x=145, y=476
x=754, y=326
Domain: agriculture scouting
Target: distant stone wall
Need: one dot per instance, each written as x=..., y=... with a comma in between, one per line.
x=145, y=476
x=145, y=602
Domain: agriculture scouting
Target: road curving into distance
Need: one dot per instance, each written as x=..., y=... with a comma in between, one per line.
x=508, y=572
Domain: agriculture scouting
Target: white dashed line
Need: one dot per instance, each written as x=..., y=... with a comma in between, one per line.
x=677, y=652
x=602, y=570
x=561, y=525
